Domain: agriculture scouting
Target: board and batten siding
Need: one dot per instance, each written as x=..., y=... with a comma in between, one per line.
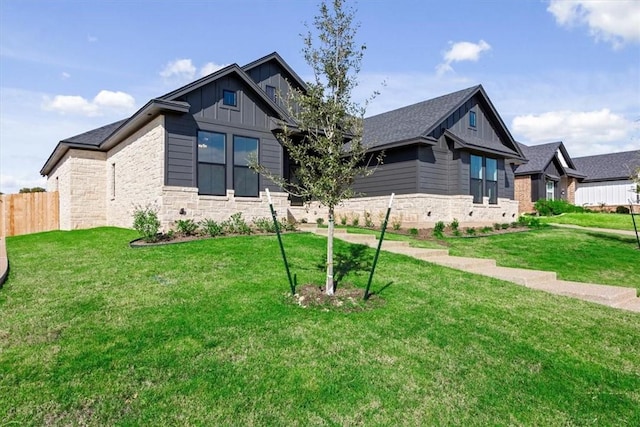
x=608, y=193
x=398, y=174
x=271, y=74
x=249, y=118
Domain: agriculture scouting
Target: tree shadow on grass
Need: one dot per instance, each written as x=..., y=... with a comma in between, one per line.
x=350, y=260
x=614, y=237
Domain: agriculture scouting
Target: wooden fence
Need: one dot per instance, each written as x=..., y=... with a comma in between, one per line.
x=29, y=213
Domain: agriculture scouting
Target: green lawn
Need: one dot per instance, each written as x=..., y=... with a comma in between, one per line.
x=93, y=332
x=597, y=220
x=575, y=255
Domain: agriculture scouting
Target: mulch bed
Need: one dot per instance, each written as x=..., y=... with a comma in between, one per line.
x=346, y=298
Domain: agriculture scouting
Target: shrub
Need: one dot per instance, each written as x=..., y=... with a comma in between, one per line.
x=504, y=226
x=288, y=225
x=212, y=228
x=438, y=229
x=471, y=231
x=237, y=225
x=497, y=226
x=264, y=225
x=457, y=233
x=146, y=222
x=515, y=225
x=556, y=207
x=396, y=222
x=523, y=220
x=534, y=222
x=343, y=219
x=355, y=220
x=454, y=224
x=320, y=221
x=487, y=230
x=413, y=231
x=368, y=222
x=622, y=210
x=186, y=227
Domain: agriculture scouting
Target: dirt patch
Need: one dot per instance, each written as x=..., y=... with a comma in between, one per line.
x=346, y=298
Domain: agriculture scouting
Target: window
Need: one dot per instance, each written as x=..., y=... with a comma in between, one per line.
x=271, y=93
x=472, y=119
x=229, y=98
x=113, y=181
x=484, y=179
x=211, y=163
x=550, y=190
x=245, y=181
x=476, y=178
x=492, y=180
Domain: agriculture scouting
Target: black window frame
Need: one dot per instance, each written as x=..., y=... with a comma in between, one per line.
x=224, y=97
x=245, y=167
x=224, y=165
x=483, y=184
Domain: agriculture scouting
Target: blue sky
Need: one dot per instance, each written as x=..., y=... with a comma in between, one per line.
x=555, y=70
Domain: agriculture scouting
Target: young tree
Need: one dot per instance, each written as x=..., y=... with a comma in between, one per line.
x=326, y=143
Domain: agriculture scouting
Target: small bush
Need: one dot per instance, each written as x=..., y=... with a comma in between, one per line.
x=211, y=228
x=487, y=230
x=355, y=220
x=438, y=229
x=622, y=210
x=454, y=224
x=288, y=225
x=556, y=207
x=237, y=225
x=457, y=233
x=146, y=222
x=497, y=226
x=413, y=231
x=264, y=225
x=534, y=222
x=514, y=225
x=523, y=220
x=504, y=226
x=368, y=221
x=396, y=222
x=471, y=231
x=186, y=227
x=343, y=219
x=320, y=222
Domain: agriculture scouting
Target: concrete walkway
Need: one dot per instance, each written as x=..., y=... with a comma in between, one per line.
x=612, y=296
x=599, y=230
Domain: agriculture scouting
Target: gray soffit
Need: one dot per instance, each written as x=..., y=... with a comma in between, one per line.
x=481, y=145
x=608, y=167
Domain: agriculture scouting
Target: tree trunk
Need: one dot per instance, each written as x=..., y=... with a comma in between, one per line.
x=329, y=284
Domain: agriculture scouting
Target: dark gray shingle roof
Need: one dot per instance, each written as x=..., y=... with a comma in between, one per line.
x=608, y=167
x=94, y=137
x=484, y=144
x=539, y=157
x=413, y=121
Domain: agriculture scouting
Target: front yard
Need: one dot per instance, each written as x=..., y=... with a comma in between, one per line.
x=93, y=332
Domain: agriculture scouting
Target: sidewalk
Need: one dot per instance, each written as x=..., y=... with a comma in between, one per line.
x=612, y=296
x=600, y=230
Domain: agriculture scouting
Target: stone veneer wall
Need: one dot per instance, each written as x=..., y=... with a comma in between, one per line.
x=138, y=175
x=81, y=184
x=522, y=193
x=218, y=208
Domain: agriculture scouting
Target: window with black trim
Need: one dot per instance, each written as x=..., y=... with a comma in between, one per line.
x=472, y=119
x=229, y=98
x=245, y=181
x=483, y=173
x=271, y=93
x=212, y=163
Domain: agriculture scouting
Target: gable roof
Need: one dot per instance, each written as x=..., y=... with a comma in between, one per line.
x=540, y=156
x=414, y=123
x=608, y=167
x=274, y=56
x=94, y=137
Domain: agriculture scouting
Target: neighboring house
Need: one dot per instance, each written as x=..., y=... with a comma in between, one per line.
x=550, y=174
x=608, y=179
x=186, y=152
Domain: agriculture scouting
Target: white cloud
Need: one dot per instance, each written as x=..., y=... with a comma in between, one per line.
x=182, y=69
x=583, y=132
x=65, y=75
x=614, y=21
x=210, y=67
x=11, y=184
x=462, y=51
x=92, y=39
x=105, y=100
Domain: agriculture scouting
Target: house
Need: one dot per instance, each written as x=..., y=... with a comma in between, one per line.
x=608, y=179
x=549, y=174
x=186, y=153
